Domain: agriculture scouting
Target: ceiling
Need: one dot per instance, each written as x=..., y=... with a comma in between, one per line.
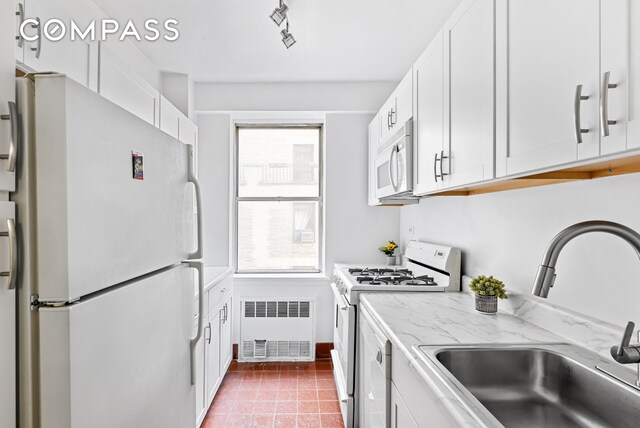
x=235, y=41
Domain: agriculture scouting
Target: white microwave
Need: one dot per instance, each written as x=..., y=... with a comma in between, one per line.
x=393, y=166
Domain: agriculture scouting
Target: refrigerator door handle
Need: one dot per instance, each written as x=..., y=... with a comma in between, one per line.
x=194, y=180
x=13, y=253
x=199, y=266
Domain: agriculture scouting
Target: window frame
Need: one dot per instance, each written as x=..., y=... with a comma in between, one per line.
x=319, y=199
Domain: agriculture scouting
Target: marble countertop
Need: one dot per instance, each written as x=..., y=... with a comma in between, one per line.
x=410, y=319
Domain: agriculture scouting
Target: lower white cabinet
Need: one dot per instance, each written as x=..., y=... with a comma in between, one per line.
x=400, y=414
x=211, y=356
x=214, y=351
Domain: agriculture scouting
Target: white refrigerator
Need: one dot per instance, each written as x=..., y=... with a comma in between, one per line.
x=105, y=216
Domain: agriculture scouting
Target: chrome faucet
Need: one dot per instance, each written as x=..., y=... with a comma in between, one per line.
x=624, y=353
x=546, y=275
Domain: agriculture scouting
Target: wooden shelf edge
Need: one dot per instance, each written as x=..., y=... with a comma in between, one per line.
x=599, y=169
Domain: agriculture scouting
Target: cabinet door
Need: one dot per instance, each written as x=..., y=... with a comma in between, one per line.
x=469, y=77
x=212, y=356
x=77, y=59
x=169, y=117
x=428, y=116
x=364, y=382
x=546, y=49
x=121, y=86
x=404, y=102
x=19, y=42
x=386, y=119
x=374, y=139
x=226, y=347
x=620, y=57
x=201, y=407
x=187, y=130
x=400, y=415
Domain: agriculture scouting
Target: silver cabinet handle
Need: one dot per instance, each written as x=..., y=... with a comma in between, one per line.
x=442, y=173
x=604, y=104
x=13, y=253
x=379, y=356
x=12, y=156
x=207, y=329
x=393, y=113
x=224, y=290
x=20, y=13
x=435, y=168
x=389, y=120
x=38, y=27
x=442, y=158
x=196, y=184
x=577, y=129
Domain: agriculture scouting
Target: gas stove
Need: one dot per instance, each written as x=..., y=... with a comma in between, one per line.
x=429, y=267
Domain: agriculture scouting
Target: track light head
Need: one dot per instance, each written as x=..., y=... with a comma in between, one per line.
x=287, y=38
x=280, y=14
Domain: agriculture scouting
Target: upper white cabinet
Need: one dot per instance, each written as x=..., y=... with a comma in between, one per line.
x=78, y=59
x=428, y=117
x=397, y=109
x=620, y=58
x=169, y=117
x=469, y=102
x=547, y=83
x=374, y=141
x=127, y=89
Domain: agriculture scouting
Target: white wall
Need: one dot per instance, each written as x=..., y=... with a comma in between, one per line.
x=505, y=235
x=353, y=230
x=320, y=96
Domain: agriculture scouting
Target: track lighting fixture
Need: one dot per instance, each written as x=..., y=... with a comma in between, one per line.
x=280, y=13
x=287, y=37
x=279, y=16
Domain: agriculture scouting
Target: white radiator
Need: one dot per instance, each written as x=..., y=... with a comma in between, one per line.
x=277, y=330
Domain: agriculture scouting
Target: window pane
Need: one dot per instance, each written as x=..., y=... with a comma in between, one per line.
x=278, y=235
x=278, y=162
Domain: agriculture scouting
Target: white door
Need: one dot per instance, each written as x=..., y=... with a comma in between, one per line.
x=428, y=117
x=77, y=59
x=404, y=102
x=469, y=77
x=105, y=216
x=620, y=63
x=121, y=358
x=546, y=49
x=212, y=355
x=400, y=415
x=226, y=347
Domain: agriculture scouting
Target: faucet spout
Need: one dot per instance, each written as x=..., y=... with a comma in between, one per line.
x=546, y=272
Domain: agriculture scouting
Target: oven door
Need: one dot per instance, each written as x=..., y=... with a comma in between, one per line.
x=344, y=345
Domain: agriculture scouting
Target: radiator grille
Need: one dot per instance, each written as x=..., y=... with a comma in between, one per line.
x=280, y=349
x=277, y=330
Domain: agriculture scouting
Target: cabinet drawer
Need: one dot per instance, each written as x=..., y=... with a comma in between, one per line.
x=219, y=292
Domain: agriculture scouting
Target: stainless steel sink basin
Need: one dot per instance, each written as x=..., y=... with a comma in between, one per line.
x=543, y=386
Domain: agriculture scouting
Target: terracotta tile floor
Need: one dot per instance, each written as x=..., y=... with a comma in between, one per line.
x=276, y=395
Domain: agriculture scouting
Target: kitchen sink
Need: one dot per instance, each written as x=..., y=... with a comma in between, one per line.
x=556, y=385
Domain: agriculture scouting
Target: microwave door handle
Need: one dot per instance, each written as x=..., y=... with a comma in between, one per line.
x=393, y=183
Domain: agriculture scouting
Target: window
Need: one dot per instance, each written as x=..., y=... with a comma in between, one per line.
x=278, y=198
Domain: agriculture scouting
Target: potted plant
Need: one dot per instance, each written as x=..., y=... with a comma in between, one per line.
x=388, y=250
x=487, y=290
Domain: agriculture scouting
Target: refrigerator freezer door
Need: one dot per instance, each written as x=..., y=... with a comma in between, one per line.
x=112, y=193
x=122, y=358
